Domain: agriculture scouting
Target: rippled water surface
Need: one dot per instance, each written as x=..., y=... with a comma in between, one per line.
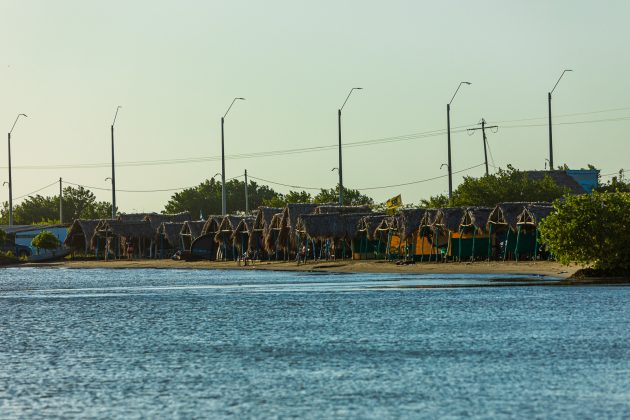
x=177, y=343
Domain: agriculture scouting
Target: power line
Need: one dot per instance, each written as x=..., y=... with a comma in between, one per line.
x=36, y=191
x=140, y=191
x=301, y=187
x=569, y=123
x=562, y=115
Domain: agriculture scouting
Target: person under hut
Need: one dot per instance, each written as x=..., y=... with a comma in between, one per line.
x=130, y=250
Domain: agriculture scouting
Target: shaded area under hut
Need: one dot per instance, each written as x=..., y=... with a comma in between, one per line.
x=191, y=230
x=240, y=237
x=287, y=236
x=259, y=231
x=223, y=237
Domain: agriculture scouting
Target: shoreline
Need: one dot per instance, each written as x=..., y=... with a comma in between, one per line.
x=563, y=273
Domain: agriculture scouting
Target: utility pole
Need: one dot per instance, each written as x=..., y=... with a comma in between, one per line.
x=246, y=195
x=60, y=201
x=485, y=139
x=550, y=130
x=448, y=137
x=113, y=167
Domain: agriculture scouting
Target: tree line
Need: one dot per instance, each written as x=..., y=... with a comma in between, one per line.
x=205, y=199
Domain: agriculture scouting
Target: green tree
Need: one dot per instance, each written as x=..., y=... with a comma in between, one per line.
x=591, y=229
x=45, y=240
x=282, y=200
x=350, y=197
x=3, y=236
x=78, y=203
x=206, y=197
x=616, y=184
x=506, y=185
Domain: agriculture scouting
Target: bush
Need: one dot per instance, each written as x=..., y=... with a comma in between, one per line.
x=46, y=240
x=591, y=230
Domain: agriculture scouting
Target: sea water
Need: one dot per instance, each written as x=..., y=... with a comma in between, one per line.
x=207, y=344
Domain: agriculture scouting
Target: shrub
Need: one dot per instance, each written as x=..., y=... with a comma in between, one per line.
x=45, y=240
x=591, y=230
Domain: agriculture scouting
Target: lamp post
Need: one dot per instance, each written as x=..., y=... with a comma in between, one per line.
x=223, y=198
x=10, y=179
x=113, y=169
x=448, y=127
x=340, y=169
x=550, y=134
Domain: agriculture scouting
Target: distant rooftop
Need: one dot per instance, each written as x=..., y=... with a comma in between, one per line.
x=565, y=179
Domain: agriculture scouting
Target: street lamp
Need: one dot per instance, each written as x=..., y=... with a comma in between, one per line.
x=223, y=198
x=550, y=134
x=113, y=171
x=10, y=179
x=340, y=169
x=448, y=125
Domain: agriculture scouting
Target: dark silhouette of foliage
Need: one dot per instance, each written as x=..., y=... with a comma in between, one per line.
x=45, y=240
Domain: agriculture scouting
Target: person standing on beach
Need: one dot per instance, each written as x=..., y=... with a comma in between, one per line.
x=129, y=251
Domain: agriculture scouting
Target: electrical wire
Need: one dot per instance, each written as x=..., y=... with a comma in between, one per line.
x=36, y=191
x=141, y=191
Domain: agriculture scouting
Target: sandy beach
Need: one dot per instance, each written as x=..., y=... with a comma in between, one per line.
x=543, y=268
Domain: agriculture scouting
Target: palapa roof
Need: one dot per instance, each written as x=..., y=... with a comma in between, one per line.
x=227, y=226
x=81, y=227
x=477, y=217
x=449, y=218
x=133, y=217
x=370, y=224
x=211, y=224
x=294, y=210
x=351, y=224
x=157, y=219
x=193, y=228
x=331, y=208
x=171, y=232
x=507, y=213
x=141, y=229
x=534, y=213
x=264, y=216
x=409, y=221
x=244, y=226
x=428, y=217
x=329, y=225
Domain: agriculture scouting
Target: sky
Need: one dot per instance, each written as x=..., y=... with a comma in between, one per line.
x=175, y=66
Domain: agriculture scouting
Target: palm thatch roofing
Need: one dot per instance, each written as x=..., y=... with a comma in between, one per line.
x=80, y=233
x=226, y=228
x=449, y=218
x=273, y=231
x=371, y=224
x=507, y=213
x=533, y=214
x=329, y=225
x=244, y=227
x=476, y=217
x=409, y=221
x=171, y=232
x=330, y=208
x=127, y=230
x=133, y=217
x=157, y=219
x=290, y=217
x=428, y=217
x=211, y=224
x=264, y=216
x=192, y=228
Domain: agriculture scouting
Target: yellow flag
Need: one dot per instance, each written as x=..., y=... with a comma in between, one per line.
x=394, y=202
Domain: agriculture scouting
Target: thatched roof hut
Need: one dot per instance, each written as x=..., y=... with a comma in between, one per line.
x=157, y=219
x=273, y=231
x=372, y=223
x=328, y=208
x=211, y=225
x=476, y=217
x=133, y=217
x=226, y=228
x=329, y=225
x=409, y=221
x=507, y=213
x=192, y=228
x=290, y=217
x=260, y=226
x=127, y=231
x=80, y=234
x=449, y=218
x=242, y=231
x=170, y=231
x=533, y=214
x=428, y=217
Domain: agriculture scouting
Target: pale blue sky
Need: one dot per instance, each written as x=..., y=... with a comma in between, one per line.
x=175, y=67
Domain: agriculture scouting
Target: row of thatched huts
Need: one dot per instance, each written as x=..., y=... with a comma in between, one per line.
x=312, y=231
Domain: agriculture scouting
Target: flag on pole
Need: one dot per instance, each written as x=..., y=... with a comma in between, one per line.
x=394, y=202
